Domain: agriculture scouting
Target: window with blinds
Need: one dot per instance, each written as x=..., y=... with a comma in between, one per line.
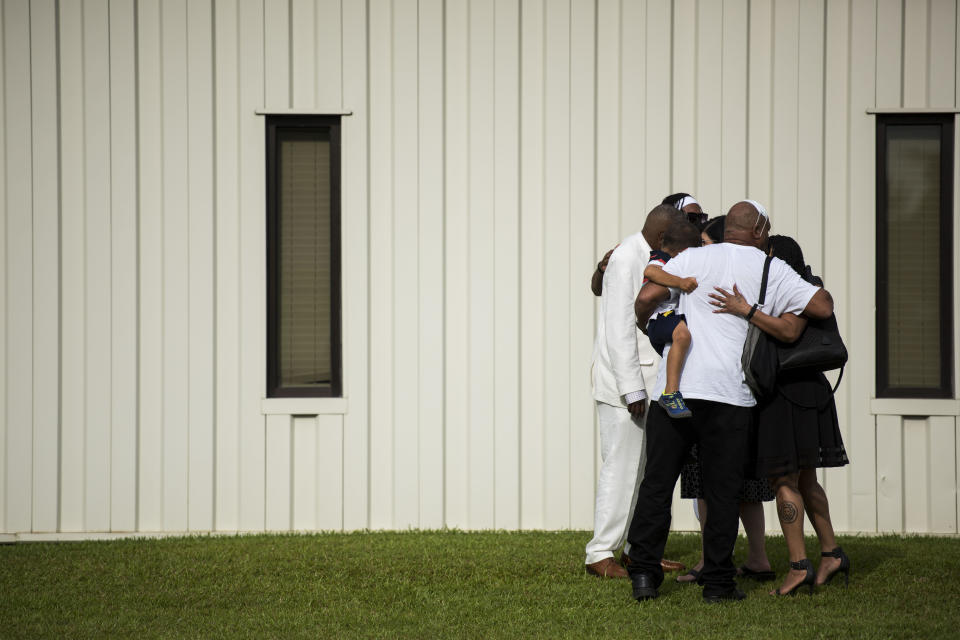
x=914, y=256
x=303, y=256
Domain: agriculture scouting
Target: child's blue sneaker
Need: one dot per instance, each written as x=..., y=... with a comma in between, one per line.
x=674, y=405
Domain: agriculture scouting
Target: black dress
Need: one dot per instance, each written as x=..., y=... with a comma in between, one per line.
x=797, y=427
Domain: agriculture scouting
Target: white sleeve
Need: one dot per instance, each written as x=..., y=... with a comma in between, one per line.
x=620, y=323
x=793, y=293
x=678, y=266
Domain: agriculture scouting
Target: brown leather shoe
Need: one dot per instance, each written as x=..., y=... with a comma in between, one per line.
x=672, y=565
x=607, y=568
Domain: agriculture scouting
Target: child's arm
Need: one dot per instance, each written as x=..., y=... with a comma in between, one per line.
x=659, y=276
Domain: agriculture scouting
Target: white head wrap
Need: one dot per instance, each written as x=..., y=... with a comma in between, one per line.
x=761, y=211
x=682, y=202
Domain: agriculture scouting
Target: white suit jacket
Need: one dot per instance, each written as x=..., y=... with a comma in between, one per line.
x=623, y=359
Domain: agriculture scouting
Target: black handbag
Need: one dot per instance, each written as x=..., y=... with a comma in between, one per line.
x=819, y=348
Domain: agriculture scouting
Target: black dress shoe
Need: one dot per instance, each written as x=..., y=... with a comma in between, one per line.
x=643, y=587
x=733, y=595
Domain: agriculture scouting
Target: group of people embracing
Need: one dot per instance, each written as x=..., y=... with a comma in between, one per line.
x=673, y=403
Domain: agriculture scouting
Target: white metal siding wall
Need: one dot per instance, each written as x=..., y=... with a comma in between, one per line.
x=495, y=150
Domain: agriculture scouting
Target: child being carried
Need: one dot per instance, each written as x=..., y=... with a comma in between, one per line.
x=666, y=326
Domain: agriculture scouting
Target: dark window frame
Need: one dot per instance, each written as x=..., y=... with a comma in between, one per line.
x=945, y=388
x=277, y=124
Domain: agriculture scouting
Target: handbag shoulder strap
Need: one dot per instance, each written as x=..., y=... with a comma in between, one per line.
x=763, y=282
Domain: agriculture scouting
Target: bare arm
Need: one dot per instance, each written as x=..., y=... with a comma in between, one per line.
x=651, y=294
x=664, y=279
x=596, y=282
x=820, y=306
x=787, y=328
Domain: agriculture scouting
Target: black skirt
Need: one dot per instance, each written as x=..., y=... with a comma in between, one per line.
x=691, y=483
x=797, y=428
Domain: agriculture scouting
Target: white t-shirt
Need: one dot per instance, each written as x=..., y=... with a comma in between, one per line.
x=712, y=370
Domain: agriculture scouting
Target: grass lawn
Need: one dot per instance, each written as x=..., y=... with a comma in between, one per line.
x=448, y=584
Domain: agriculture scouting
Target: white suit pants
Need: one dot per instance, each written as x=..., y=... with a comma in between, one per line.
x=623, y=454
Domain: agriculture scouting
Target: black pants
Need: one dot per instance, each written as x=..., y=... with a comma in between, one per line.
x=721, y=432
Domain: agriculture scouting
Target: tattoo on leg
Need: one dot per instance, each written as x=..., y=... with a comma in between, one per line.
x=788, y=512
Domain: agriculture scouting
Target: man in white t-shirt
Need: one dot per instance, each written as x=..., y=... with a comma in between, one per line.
x=713, y=385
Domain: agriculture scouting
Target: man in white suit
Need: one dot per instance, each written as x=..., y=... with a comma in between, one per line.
x=623, y=369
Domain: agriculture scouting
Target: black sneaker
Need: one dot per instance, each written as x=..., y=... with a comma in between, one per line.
x=732, y=595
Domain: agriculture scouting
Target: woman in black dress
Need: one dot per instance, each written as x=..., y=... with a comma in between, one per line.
x=797, y=432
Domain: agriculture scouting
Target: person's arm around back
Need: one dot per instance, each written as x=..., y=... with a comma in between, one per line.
x=820, y=306
x=650, y=296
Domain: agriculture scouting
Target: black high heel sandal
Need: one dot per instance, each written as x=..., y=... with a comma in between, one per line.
x=810, y=578
x=844, y=567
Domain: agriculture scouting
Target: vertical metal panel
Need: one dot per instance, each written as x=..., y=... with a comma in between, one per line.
x=3, y=286
x=328, y=472
x=227, y=224
x=684, y=77
x=609, y=128
x=836, y=204
x=706, y=90
x=201, y=243
x=942, y=475
x=785, y=103
x=480, y=252
x=354, y=212
x=532, y=317
x=281, y=464
x=123, y=255
x=430, y=187
x=46, y=265
x=809, y=161
x=861, y=214
x=303, y=58
x=278, y=52
x=940, y=57
x=916, y=477
x=405, y=268
x=580, y=261
x=506, y=265
x=634, y=126
x=18, y=270
x=252, y=265
x=760, y=102
x=175, y=261
x=659, y=132
x=556, y=239
x=733, y=103
x=889, y=478
x=328, y=53
x=303, y=467
x=608, y=163
x=97, y=299
x=72, y=265
x=381, y=190
x=889, y=53
x=915, y=47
